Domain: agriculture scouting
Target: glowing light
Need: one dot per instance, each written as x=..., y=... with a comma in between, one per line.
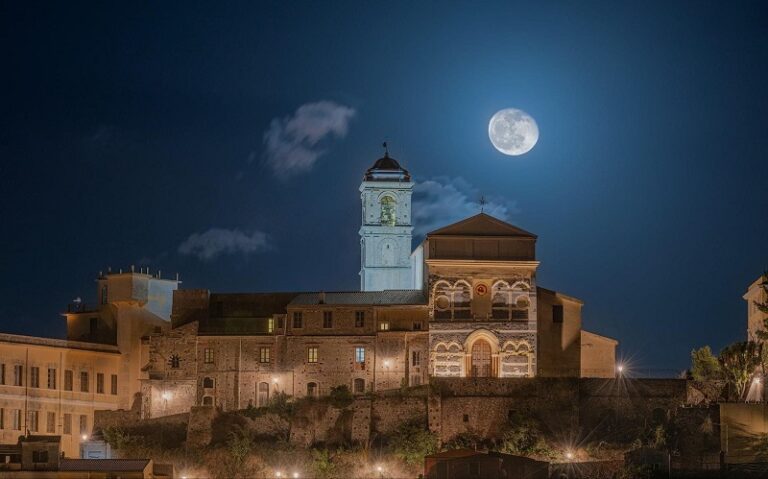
x=278, y=474
x=274, y=380
x=84, y=437
x=167, y=395
x=569, y=455
x=387, y=363
x=756, y=381
x=295, y=475
x=379, y=468
x=620, y=368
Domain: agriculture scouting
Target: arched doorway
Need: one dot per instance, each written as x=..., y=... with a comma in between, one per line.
x=481, y=359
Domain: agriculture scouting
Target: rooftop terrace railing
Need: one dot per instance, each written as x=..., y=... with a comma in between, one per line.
x=80, y=307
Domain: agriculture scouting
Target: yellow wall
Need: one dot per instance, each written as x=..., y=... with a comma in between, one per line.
x=559, y=353
x=598, y=356
x=60, y=355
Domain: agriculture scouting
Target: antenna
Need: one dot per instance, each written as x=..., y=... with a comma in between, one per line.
x=483, y=202
x=386, y=149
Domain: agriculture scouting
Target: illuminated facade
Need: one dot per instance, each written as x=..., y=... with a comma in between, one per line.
x=464, y=303
x=54, y=386
x=385, y=233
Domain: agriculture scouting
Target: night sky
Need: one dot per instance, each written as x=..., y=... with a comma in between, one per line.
x=227, y=141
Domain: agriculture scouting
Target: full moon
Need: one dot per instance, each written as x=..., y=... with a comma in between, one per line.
x=513, y=132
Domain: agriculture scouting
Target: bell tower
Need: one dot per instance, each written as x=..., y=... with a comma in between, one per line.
x=385, y=234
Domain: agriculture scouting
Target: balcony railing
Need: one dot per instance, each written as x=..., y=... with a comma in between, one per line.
x=81, y=307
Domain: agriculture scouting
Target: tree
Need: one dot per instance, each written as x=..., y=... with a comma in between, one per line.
x=704, y=365
x=341, y=397
x=764, y=308
x=412, y=441
x=738, y=362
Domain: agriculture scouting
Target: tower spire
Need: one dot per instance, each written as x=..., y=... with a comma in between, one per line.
x=386, y=149
x=482, y=202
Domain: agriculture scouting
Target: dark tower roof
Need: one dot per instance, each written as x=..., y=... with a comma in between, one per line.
x=387, y=169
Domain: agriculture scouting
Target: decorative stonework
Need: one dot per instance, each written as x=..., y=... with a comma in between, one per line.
x=508, y=325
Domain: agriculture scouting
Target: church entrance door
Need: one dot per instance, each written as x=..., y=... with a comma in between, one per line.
x=481, y=359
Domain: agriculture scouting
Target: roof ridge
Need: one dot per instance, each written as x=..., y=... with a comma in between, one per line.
x=454, y=229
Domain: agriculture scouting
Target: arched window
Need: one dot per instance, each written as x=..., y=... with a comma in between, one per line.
x=262, y=394
x=462, y=300
x=388, y=211
x=452, y=302
x=312, y=389
x=500, y=297
x=208, y=383
x=359, y=386
x=520, y=309
x=443, y=300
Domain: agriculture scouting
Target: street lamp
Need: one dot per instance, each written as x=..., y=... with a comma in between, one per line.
x=569, y=455
x=84, y=437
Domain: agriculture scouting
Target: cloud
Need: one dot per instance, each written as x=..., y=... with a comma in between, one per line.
x=293, y=144
x=218, y=241
x=440, y=201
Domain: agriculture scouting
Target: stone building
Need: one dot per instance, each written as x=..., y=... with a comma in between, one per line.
x=53, y=386
x=465, y=303
x=756, y=293
x=468, y=305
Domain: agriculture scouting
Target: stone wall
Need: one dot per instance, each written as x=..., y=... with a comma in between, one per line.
x=616, y=409
x=199, y=426
x=606, y=408
x=483, y=406
x=387, y=413
x=317, y=421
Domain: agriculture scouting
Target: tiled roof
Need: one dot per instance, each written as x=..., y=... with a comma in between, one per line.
x=242, y=313
x=482, y=225
x=249, y=305
x=367, y=298
x=106, y=465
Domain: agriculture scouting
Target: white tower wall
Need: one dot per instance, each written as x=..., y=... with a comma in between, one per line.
x=385, y=245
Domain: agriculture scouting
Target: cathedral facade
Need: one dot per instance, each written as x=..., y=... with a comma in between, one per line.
x=463, y=303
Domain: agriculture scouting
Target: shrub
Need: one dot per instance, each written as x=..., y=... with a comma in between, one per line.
x=116, y=437
x=340, y=397
x=281, y=405
x=322, y=463
x=411, y=441
x=465, y=440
